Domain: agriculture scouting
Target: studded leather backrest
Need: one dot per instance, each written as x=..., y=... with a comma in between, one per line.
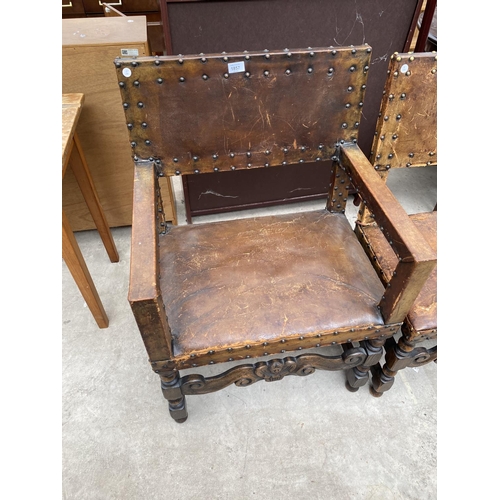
x=406, y=133
x=222, y=112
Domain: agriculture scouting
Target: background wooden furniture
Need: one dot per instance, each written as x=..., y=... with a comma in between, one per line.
x=242, y=289
x=148, y=8
x=89, y=48
x=406, y=137
x=72, y=155
x=194, y=26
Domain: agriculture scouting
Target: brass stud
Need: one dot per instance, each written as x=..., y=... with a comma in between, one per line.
x=412, y=58
x=266, y=164
x=182, y=79
x=226, y=75
x=267, y=152
x=403, y=95
x=180, y=61
x=352, y=68
x=205, y=77
x=195, y=158
x=344, y=125
x=334, y=52
x=267, y=56
x=309, y=70
x=125, y=105
x=215, y=156
x=177, y=172
x=140, y=104
x=249, y=154
x=144, y=124
x=288, y=72
x=159, y=80
x=203, y=59
x=247, y=74
x=247, y=58
x=157, y=63
x=266, y=73
x=196, y=171
x=347, y=105
x=330, y=71
x=233, y=167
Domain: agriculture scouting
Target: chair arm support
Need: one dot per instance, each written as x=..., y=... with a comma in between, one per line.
x=144, y=288
x=416, y=257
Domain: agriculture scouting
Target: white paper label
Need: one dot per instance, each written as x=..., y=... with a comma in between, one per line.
x=129, y=52
x=236, y=67
x=126, y=72
x=404, y=68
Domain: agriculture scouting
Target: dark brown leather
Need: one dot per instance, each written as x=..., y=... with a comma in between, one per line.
x=254, y=280
x=239, y=120
x=423, y=315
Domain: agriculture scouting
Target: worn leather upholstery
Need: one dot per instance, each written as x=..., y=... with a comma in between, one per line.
x=423, y=315
x=253, y=280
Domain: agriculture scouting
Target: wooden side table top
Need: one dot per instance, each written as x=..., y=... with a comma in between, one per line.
x=71, y=109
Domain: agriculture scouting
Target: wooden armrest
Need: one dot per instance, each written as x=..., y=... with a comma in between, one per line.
x=416, y=258
x=144, y=289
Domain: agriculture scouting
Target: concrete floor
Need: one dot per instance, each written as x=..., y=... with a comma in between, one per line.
x=301, y=438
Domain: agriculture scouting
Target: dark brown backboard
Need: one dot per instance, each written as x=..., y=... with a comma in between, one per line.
x=406, y=134
x=223, y=112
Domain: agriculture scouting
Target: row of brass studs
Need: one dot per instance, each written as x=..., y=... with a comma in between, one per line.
x=231, y=350
x=247, y=57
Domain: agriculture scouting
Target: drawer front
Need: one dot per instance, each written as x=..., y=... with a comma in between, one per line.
x=125, y=6
x=72, y=7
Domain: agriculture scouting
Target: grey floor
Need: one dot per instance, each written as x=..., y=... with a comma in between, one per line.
x=301, y=438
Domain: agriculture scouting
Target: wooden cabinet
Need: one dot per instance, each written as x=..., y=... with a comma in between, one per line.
x=89, y=47
x=148, y=8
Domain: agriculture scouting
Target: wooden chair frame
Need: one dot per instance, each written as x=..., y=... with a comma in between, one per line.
x=159, y=150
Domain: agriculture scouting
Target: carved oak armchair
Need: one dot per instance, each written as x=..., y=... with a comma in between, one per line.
x=265, y=290
x=406, y=136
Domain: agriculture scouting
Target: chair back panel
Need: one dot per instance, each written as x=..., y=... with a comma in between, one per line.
x=406, y=133
x=219, y=112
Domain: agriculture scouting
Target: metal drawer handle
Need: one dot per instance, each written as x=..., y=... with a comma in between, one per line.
x=70, y=4
x=109, y=3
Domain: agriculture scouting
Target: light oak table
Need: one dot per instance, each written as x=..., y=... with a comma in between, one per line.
x=72, y=156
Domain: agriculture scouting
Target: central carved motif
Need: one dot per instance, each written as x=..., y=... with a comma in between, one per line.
x=275, y=369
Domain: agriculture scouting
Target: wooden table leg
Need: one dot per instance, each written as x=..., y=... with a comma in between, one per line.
x=82, y=173
x=78, y=268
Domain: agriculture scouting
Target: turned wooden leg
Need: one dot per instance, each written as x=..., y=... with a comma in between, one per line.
x=172, y=391
x=397, y=356
x=358, y=376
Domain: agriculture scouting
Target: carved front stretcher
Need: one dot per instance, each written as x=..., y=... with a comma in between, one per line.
x=271, y=286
